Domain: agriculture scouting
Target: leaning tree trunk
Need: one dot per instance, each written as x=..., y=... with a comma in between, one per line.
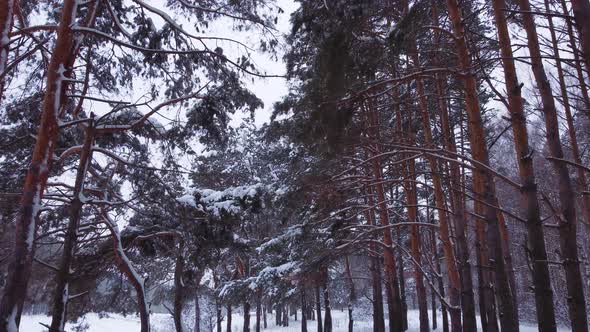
x=577, y=64
x=567, y=217
x=15, y=288
x=487, y=191
x=125, y=266
x=582, y=179
x=61, y=292
x=581, y=10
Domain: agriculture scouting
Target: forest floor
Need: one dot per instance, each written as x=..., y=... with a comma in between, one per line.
x=163, y=323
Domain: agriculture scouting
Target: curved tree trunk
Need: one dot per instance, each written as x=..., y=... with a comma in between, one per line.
x=134, y=278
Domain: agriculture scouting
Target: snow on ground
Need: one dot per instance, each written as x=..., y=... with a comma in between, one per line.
x=163, y=323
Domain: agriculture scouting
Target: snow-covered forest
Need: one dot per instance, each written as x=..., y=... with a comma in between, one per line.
x=294, y=165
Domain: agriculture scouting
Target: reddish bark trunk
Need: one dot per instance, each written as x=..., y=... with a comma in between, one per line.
x=415, y=242
x=389, y=258
x=479, y=151
x=26, y=226
x=378, y=313
x=459, y=223
x=452, y=271
x=577, y=62
x=487, y=301
x=581, y=10
x=529, y=199
x=567, y=219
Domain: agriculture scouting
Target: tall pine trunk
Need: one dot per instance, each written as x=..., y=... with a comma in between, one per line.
x=388, y=255
x=582, y=179
x=487, y=190
x=62, y=278
x=581, y=10
x=458, y=218
x=378, y=313
x=15, y=289
x=577, y=64
x=452, y=271
x=485, y=277
x=567, y=217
